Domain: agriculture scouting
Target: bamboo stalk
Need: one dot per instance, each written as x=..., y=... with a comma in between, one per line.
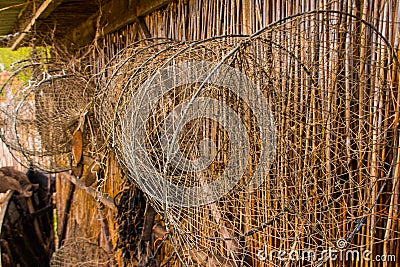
x=393, y=198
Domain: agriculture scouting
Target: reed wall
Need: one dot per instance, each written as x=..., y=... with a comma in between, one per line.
x=188, y=20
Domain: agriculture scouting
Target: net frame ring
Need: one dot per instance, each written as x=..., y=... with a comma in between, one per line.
x=183, y=74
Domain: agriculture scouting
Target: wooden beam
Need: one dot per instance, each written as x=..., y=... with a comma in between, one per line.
x=43, y=11
x=119, y=14
x=144, y=28
x=105, y=199
x=113, y=17
x=84, y=33
x=51, y=7
x=127, y=12
x=67, y=210
x=145, y=7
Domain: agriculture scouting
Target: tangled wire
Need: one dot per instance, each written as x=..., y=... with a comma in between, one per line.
x=285, y=139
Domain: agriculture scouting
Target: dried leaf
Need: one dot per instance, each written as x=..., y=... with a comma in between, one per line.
x=77, y=147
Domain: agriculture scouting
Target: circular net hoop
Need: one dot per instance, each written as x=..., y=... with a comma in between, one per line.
x=281, y=141
x=116, y=75
x=80, y=252
x=124, y=74
x=42, y=114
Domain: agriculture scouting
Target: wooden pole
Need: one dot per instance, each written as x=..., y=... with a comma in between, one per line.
x=105, y=199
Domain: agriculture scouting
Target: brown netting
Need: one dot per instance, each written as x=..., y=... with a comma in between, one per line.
x=282, y=141
x=79, y=251
x=113, y=82
x=48, y=103
x=128, y=70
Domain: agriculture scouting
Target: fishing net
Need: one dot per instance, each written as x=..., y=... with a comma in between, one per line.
x=114, y=80
x=124, y=74
x=47, y=105
x=250, y=147
x=79, y=251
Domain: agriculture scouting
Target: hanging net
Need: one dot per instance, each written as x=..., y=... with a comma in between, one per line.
x=249, y=146
x=47, y=104
x=78, y=251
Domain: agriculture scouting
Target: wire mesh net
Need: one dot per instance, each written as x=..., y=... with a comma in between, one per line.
x=281, y=141
x=127, y=71
x=115, y=78
x=47, y=103
x=78, y=251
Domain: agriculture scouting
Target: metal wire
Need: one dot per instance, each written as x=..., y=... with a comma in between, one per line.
x=43, y=111
x=284, y=140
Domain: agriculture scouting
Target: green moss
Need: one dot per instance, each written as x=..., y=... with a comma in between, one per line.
x=8, y=57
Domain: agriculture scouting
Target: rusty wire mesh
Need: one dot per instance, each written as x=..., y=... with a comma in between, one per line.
x=283, y=140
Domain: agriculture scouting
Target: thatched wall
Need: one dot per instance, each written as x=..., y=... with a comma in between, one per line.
x=194, y=20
